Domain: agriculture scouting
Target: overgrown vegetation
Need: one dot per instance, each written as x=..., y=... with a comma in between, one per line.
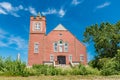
x=106, y=38
x=9, y=67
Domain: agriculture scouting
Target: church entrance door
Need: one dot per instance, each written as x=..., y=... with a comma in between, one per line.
x=61, y=59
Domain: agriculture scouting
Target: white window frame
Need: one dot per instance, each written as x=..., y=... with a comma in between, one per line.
x=60, y=48
x=51, y=57
x=60, y=45
x=81, y=58
x=55, y=47
x=70, y=58
x=36, y=28
x=65, y=47
x=36, y=49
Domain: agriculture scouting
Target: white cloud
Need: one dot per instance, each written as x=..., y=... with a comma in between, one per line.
x=15, y=14
x=7, y=8
x=2, y=44
x=103, y=5
x=2, y=11
x=32, y=10
x=76, y=2
x=7, y=40
x=60, y=12
x=21, y=43
x=20, y=7
x=50, y=11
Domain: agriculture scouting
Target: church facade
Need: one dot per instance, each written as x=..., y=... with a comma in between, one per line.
x=57, y=47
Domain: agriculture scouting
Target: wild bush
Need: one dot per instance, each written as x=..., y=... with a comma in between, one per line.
x=11, y=67
x=46, y=70
x=109, y=68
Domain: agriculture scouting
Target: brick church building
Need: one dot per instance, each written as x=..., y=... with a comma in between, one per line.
x=58, y=47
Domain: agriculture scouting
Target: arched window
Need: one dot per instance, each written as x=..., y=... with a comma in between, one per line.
x=60, y=42
x=65, y=47
x=60, y=46
x=55, y=46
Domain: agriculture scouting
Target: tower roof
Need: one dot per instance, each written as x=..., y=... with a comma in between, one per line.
x=39, y=14
x=60, y=27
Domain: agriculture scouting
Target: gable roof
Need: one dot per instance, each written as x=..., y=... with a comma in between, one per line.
x=60, y=27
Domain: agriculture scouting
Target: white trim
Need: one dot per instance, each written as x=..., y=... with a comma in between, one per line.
x=34, y=26
x=60, y=27
x=70, y=58
x=82, y=58
x=51, y=57
x=66, y=47
x=55, y=47
x=36, y=44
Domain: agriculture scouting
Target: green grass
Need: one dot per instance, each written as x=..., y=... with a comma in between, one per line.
x=78, y=77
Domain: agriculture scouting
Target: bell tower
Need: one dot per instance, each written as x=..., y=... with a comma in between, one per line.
x=36, y=39
x=38, y=24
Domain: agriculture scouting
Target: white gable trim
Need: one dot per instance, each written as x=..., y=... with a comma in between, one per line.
x=60, y=27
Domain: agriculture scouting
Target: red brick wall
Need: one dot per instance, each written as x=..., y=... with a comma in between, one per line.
x=75, y=47
x=36, y=36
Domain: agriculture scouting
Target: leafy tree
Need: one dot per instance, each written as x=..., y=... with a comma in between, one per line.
x=117, y=60
x=106, y=38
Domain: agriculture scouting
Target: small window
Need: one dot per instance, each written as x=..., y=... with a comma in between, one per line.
x=51, y=57
x=70, y=58
x=65, y=47
x=36, y=47
x=60, y=34
x=81, y=58
x=55, y=47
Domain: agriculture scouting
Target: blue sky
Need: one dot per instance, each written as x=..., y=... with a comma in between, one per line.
x=75, y=15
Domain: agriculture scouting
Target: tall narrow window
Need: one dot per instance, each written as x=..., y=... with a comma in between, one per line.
x=81, y=58
x=55, y=47
x=70, y=58
x=60, y=46
x=36, y=47
x=65, y=47
x=51, y=57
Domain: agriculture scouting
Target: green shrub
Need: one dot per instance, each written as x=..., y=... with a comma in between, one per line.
x=109, y=68
x=46, y=70
x=66, y=72
x=11, y=67
x=79, y=70
x=92, y=71
x=84, y=70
